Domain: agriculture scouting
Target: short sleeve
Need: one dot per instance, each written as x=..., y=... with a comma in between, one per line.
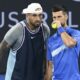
x=13, y=34
x=76, y=36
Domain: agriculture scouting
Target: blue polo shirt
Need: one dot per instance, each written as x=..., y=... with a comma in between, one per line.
x=64, y=59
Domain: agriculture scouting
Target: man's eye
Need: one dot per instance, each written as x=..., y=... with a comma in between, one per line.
x=59, y=16
x=54, y=17
x=33, y=15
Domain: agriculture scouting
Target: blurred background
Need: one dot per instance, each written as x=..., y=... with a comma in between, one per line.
x=11, y=13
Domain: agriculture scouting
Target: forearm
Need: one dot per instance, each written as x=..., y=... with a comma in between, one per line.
x=49, y=74
x=67, y=39
x=49, y=71
x=3, y=49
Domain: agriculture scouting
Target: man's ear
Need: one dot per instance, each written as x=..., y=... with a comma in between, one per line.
x=27, y=15
x=66, y=16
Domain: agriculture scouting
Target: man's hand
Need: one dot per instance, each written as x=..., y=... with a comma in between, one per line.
x=57, y=23
x=48, y=75
x=4, y=47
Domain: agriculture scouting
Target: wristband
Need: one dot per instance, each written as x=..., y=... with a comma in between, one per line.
x=60, y=30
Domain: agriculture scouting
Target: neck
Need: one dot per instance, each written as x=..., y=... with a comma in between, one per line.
x=65, y=25
x=31, y=27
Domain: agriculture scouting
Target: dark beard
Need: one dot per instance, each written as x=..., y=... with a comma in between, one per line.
x=63, y=25
x=35, y=25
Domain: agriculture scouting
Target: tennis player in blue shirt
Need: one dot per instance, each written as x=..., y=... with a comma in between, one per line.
x=63, y=49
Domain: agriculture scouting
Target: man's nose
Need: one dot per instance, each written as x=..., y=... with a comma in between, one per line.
x=38, y=18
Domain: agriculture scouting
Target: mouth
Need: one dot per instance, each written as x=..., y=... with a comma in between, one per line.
x=38, y=22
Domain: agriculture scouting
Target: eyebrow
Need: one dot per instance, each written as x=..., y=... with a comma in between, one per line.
x=36, y=14
x=55, y=16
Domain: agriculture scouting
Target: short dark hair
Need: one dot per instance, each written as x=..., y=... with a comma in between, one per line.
x=57, y=8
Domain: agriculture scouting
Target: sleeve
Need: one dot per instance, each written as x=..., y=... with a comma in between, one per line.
x=49, y=56
x=76, y=36
x=13, y=34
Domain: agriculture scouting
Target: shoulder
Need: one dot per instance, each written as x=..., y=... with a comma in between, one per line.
x=14, y=33
x=46, y=27
x=46, y=31
x=52, y=38
x=75, y=31
x=17, y=27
